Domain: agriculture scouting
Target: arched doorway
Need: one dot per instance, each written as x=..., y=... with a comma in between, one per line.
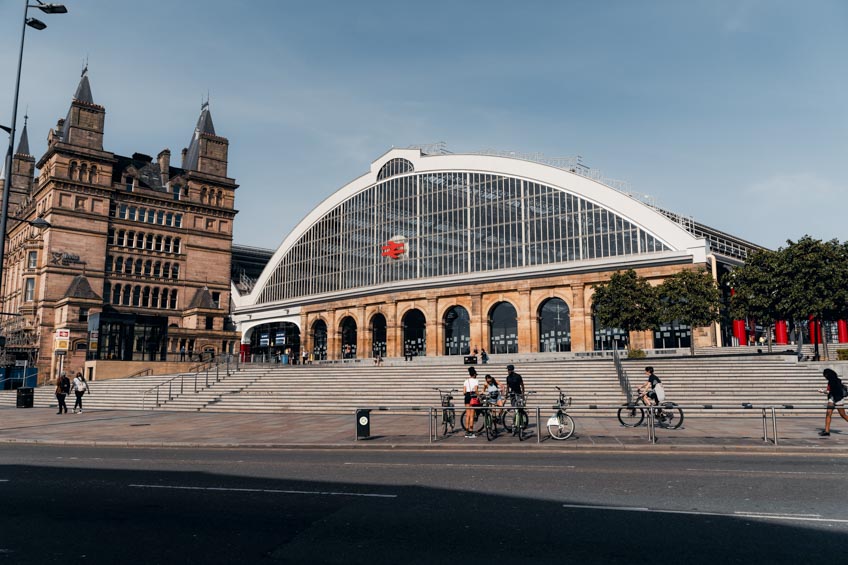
x=269, y=343
x=457, y=331
x=348, y=341
x=319, y=340
x=414, y=333
x=378, y=335
x=554, y=326
x=503, y=328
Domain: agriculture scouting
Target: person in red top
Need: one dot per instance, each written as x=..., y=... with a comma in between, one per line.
x=835, y=392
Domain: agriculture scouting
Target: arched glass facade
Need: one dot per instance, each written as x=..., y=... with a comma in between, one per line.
x=503, y=329
x=457, y=331
x=378, y=335
x=450, y=223
x=554, y=326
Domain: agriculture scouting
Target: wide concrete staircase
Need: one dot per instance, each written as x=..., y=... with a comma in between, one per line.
x=718, y=382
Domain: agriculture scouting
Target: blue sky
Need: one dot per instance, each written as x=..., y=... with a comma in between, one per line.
x=733, y=112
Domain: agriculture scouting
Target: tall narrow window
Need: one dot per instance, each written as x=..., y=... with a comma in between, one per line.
x=29, y=290
x=32, y=260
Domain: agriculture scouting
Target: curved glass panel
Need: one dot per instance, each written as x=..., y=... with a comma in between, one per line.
x=503, y=329
x=554, y=326
x=430, y=225
x=395, y=167
x=457, y=331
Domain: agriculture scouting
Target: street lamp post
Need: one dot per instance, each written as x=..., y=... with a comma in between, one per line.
x=7, y=182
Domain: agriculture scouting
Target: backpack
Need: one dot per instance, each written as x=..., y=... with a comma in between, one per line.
x=659, y=390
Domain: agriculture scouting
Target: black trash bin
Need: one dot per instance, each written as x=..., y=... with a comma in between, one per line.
x=363, y=424
x=26, y=394
x=470, y=359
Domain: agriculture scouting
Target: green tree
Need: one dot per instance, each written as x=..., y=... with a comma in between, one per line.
x=627, y=301
x=757, y=289
x=692, y=298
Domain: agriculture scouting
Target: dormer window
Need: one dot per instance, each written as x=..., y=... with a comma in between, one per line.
x=129, y=183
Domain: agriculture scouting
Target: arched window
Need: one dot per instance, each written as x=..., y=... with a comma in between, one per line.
x=92, y=175
x=131, y=239
x=457, y=331
x=107, y=292
x=145, y=297
x=136, y=298
x=122, y=238
x=83, y=172
x=166, y=270
x=503, y=328
x=151, y=216
x=378, y=335
x=139, y=240
x=109, y=262
x=169, y=219
x=133, y=213
x=178, y=221
x=138, y=267
x=110, y=238
x=219, y=198
x=128, y=266
x=72, y=170
x=154, y=299
x=116, y=295
x=142, y=213
x=119, y=265
x=160, y=217
x=203, y=193
x=167, y=244
x=319, y=340
x=176, y=248
x=173, y=303
x=394, y=167
x=348, y=341
x=163, y=301
x=414, y=333
x=175, y=271
x=158, y=243
x=554, y=326
x=125, y=299
x=157, y=268
x=148, y=266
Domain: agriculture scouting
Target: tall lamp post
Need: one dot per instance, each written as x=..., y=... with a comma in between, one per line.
x=7, y=182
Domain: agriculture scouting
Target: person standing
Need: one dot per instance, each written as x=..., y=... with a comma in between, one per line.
x=80, y=388
x=63, y=387
x=484, y=357
x=470, y=387
x=182, y=353
x=514, y=383
x=835, y=392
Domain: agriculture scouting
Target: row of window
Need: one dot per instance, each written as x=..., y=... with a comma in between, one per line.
x=139, y=267
x=82, y=172
x=147, y=215
x=141, y=240
x=211, y=196
x=453, y=223
x=144, y=297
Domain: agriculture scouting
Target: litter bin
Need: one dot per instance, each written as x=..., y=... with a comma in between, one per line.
x=363, y=424
x=470, y=359
x=25, y=397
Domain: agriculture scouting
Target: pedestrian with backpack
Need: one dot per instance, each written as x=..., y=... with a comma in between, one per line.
x=63, y=387
x=835, y=392
x=80, y=388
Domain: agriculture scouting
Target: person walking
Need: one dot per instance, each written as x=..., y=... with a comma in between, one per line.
x=63, y=387
x=470, y=387
x=835, y=392
x=80, y=388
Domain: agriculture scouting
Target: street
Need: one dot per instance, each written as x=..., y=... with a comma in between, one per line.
x=109, y=505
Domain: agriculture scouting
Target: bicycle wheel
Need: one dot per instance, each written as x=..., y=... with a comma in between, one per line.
x=491, y=426
x=671, y=416
x=478, y=425
x=561, y=426
x=630, y=415
x=450, y=413
x=508, y=419
x=521, y=424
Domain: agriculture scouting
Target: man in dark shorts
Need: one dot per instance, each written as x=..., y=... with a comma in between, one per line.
x=514, y=383
x=648, y=389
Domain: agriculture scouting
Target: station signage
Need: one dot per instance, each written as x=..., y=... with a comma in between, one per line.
x=62, y=340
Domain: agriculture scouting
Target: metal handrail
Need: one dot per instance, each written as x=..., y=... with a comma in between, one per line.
x=217, y=361
x=623, y=380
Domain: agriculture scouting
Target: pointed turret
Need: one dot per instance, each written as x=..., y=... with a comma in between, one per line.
x=23, y=171
x=207, y=152
x=83, y=125
x=23, y=144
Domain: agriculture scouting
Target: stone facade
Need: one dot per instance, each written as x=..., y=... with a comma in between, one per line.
x=127, y=236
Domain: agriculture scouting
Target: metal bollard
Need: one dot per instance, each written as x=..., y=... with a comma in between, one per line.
x=765, y=428
x=170, y=397
x=652, y=432
x=538, y=425
x=774, y=423
x=432, y=422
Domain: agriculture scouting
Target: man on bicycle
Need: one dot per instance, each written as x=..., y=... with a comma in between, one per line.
x=514, y=383
x=652, y=389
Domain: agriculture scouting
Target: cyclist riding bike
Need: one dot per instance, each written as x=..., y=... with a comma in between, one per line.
x=652, y=391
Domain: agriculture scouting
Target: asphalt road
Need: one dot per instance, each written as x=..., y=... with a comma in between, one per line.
x=107, y=505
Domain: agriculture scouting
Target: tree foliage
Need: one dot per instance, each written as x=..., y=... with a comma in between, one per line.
x=757, y=288
x=692, y=298
x=627, y=301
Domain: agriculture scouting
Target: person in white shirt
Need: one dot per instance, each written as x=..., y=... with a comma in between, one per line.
x=80, y=387
x=470, y=387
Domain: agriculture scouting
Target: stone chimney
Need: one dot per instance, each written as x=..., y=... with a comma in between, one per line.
x=164, y=159
x=183, y=155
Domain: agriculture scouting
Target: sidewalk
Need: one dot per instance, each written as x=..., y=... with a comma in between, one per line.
x=216, y=430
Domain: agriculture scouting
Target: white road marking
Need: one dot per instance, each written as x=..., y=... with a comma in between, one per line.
x=761, y=472
x=4, y=480
x=738, y=514
x=269, y=491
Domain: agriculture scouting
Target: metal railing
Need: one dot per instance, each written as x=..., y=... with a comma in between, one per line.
x=176, y=389
x=768, y=416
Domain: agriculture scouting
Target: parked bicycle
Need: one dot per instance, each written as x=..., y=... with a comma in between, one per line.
x=561, y=425
x=667, y=414
x=448, y=411
x=489, y=406
x=515, y=419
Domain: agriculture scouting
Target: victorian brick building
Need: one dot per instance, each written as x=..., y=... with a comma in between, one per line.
x=135, y=265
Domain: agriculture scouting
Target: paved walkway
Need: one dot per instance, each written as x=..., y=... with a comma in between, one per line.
x=280, y=430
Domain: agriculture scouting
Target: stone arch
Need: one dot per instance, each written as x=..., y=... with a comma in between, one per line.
x=457, y=330
x=554, y=325
x=414, y=324
x=348, y=329
x=378, y=327
x=503, y=327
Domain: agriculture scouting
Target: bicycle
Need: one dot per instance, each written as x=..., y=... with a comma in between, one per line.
x=667, y=414
x=448, y=411
x=490, y=421
x=561, y=425
x=515, y=419
x=478, y=424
